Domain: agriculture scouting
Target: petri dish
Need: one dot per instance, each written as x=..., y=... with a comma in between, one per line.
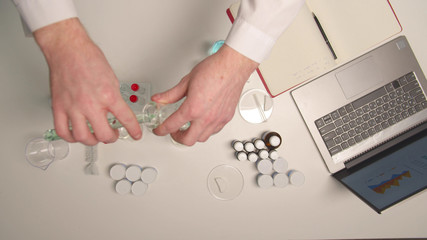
x=118, y=171
x=139, y=188
x=264, y=181
x=148, y=175
x=280, y=165
x=280, y=180
x=296, y=178
x=133, y=173
x=123, y=187
x=264, y=166
x=225, y=182
x=256, y=106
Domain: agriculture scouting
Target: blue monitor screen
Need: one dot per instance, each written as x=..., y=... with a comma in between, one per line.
x=392, y=177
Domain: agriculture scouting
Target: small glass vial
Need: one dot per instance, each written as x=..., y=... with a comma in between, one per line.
x=258, y=143
x=237, y=145
x=273, y=154
x=241, y=156
x=252, y=157
x=272, y=140
x=249, y=147
x=263, y=154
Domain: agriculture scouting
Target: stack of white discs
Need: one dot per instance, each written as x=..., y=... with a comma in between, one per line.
x=132, y=179
x=273, y=169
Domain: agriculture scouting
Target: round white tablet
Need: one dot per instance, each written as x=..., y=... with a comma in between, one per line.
x=118, y=171
x=275, y=141
x=280, y=165
x=148, y=175
x=296, y=178
x=133, y=173
x=252, y=157
x=280, y=180
x=264, y=181
x=123, y=187
x=265, y=166
x=139, y=188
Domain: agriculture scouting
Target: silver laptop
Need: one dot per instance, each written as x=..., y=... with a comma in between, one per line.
x=368, y=107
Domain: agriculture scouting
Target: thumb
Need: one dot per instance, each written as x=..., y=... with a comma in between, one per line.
x=174, y=94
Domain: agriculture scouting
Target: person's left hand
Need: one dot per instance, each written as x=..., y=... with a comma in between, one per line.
x=212, y=90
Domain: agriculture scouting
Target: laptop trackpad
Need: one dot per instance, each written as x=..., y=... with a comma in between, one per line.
x=359, y=77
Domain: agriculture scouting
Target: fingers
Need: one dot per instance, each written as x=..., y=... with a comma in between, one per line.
x=80, y=130
x=174, y=122
x=62, y=126
x=102, y=131
x=127, y=118
x=174, y=94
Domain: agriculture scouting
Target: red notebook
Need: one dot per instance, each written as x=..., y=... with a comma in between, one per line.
x=301, y=53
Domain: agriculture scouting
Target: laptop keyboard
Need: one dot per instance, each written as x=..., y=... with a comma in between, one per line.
x=371, y=113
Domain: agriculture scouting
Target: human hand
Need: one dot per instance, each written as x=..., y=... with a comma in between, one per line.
x=84, y=88
x=212, y=90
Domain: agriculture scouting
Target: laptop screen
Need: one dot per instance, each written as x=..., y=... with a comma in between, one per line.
x=392, y=175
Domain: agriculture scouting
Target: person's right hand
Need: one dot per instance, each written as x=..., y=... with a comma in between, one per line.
x=84, y=88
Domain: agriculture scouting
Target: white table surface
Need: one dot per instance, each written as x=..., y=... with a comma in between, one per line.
x=160, y=41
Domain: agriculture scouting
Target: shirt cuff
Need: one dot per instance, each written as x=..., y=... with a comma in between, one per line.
x=40, y=13
x=249, y=40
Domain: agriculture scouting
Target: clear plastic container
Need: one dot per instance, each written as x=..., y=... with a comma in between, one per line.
x=41, y=153
x=225, y=182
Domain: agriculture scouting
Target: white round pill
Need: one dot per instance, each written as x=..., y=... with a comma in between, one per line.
x=123, y=187
x=264, y=181
x=148, y=175
x=296, y=178
x=273, y=154
x=133, y=173
x=252, y=157
x=139, y=188
x=238, y=146
x=118, y=171
x=280, y=180
x=263, y=154
x=249, y=147
x=241, y=156
x=265, y=166
x=280, y=165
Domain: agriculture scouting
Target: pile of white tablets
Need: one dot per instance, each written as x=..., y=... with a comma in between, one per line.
x=132, y=179
x=273, y=169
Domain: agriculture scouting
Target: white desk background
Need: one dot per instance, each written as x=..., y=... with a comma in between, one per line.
x=160, y=41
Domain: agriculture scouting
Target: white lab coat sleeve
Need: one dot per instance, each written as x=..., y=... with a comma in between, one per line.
x=39, y=13
x=258, y=25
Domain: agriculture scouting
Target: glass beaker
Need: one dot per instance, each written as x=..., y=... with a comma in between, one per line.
x=41, y=153
x=154, y=114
